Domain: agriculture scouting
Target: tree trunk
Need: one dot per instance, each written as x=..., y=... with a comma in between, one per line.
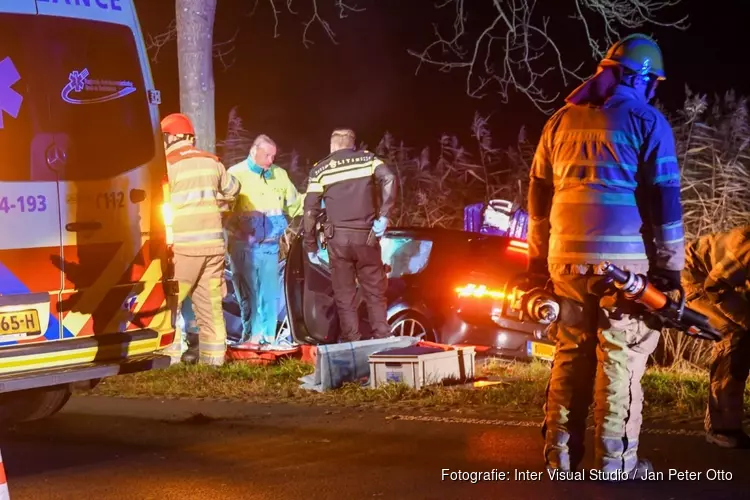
x=195, y=27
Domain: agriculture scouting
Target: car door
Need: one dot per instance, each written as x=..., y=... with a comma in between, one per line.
x=313, y=318
x=30, y=248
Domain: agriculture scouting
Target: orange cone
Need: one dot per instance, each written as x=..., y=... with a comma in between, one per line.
x=4, y=494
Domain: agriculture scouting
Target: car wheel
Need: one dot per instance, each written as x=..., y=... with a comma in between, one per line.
x=412, y=324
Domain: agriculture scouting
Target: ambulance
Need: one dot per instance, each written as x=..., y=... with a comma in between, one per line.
x=86, y=288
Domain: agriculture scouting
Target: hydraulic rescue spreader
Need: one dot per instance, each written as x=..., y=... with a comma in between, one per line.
x=540, y=305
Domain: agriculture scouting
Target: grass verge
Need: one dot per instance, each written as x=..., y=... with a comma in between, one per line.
x=669, y=393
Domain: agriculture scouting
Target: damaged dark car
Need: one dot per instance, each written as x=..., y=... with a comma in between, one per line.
x=447, y=286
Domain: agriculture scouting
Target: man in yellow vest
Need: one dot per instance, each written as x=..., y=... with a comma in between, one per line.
x=266, y=199
x=198, y=183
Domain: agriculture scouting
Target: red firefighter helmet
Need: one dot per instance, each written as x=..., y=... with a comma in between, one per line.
x=177, y=124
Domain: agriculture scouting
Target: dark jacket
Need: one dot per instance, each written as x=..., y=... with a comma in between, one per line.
x=605, y=185
x=346, y=181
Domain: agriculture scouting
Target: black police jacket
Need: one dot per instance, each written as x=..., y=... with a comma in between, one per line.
x=347, y=181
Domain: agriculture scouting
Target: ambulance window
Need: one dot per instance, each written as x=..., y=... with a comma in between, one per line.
x=101, y=104
x=82, y=91
x=23, y=105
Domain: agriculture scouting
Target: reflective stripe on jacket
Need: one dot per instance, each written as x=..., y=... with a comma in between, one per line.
x=266, y=199
x=197, y=180
x=717, y=269
x=613, y=172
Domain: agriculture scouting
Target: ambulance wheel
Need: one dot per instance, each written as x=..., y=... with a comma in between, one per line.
x=412, y=324
x=32, y=404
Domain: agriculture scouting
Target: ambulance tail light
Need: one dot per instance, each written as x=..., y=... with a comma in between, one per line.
x=166, y=339
x=166, y=212
x=171, y=288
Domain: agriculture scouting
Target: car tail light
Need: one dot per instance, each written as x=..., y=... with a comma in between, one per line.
x=479, y=291
x=518, y=246
x=166, y=212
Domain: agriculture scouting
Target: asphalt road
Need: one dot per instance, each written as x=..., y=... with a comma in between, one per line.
x=110, y=449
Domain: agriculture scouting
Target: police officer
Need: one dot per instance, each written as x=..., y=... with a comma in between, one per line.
x=199, y=184
x=605, y=169
x=717, y=284
x=346, y=181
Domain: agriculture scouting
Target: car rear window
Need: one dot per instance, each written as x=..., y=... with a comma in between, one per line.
x=73, y=96
x=405, y=255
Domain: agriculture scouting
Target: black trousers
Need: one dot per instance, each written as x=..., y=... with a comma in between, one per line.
x=352, y=260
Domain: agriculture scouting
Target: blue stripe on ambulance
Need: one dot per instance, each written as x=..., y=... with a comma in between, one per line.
x=10, y=284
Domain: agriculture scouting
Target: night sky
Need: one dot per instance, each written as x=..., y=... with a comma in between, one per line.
x=276, y=83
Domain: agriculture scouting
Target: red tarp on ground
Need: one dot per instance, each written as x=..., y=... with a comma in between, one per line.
x=305, y=353
x=258, y=357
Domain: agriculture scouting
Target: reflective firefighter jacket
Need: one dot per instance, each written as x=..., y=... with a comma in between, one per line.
x=605, y=185
x=266, y=199
x=346, y=181
x=198, y=182
x=717, y=269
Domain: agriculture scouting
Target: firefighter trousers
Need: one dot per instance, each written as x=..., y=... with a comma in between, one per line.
x=730, y=366
x=602, y=346
x=728, y=370
x=202, y=279
x=354, y=260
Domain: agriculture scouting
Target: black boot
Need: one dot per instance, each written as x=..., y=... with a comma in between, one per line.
x=191, y=356
x=729, y=439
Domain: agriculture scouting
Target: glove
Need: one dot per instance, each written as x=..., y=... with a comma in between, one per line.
x=313, y=258
x=666, y=281
x=379, y=226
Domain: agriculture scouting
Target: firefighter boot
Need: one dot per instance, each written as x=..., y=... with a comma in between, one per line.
x=729, y=439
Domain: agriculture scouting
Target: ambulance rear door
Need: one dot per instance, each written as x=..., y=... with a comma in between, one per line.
x=30, y=241
x=103, y=125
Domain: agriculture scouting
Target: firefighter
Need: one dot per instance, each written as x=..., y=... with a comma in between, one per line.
x=605, y=169
x=346, y=181
x=257, y=225
x=199, y=183
x=717, y=284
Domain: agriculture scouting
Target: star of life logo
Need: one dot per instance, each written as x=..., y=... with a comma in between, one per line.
x=10, y=100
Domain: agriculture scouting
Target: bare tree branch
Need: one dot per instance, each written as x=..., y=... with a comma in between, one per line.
x=513, y=49
x=221, y=50
x=344, y=7
x=154, y=44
